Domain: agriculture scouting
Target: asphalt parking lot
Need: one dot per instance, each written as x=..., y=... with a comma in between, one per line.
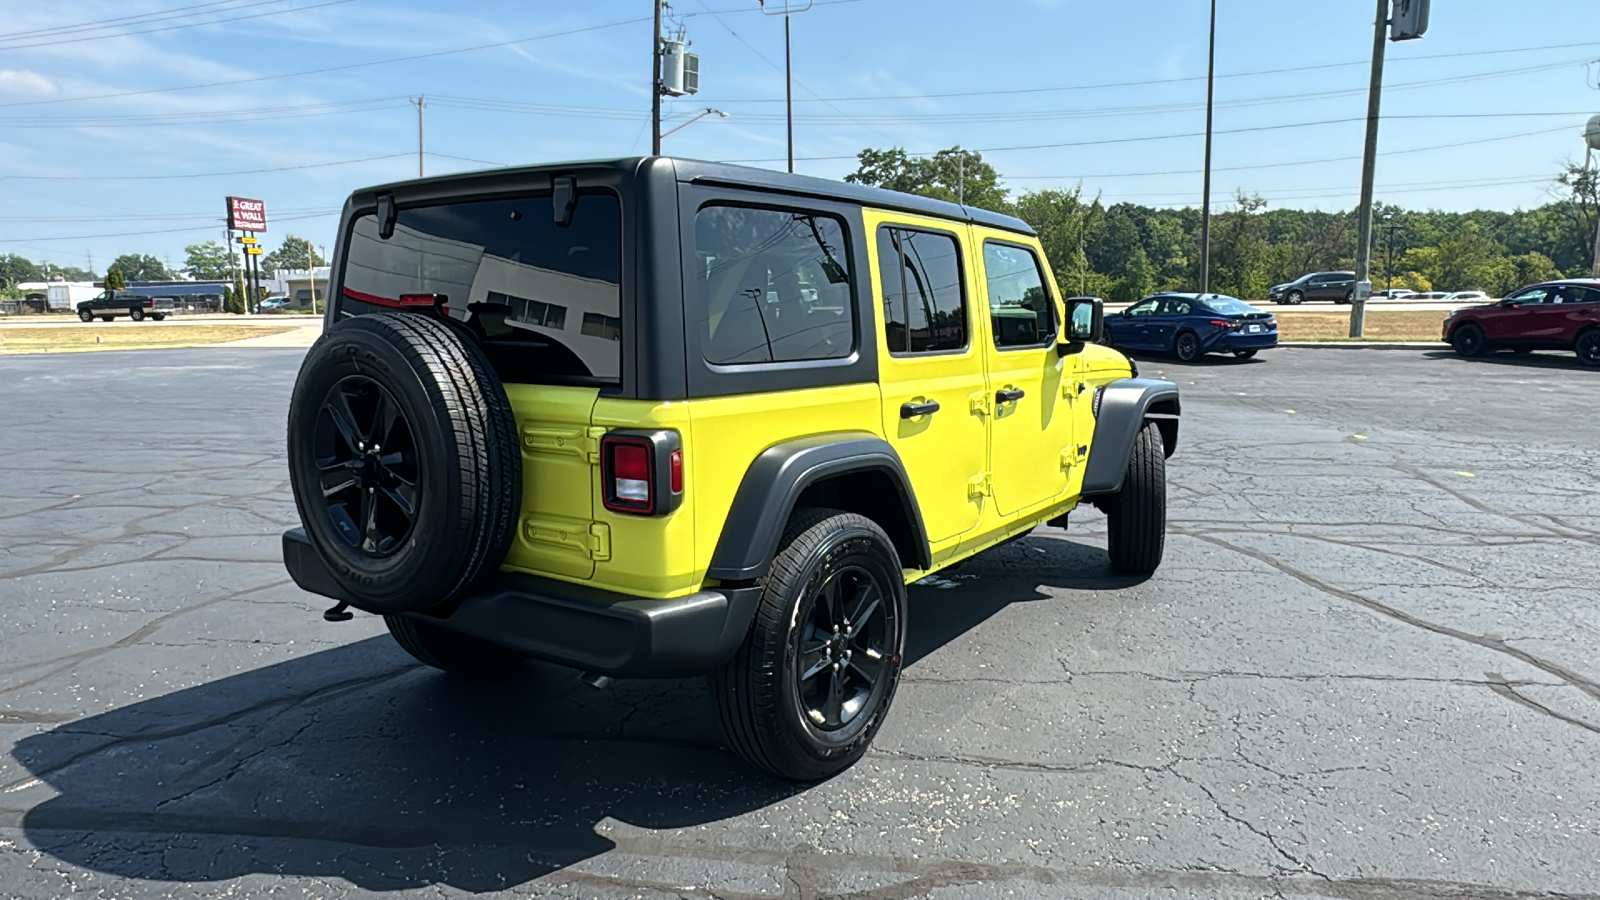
x=1369, y=668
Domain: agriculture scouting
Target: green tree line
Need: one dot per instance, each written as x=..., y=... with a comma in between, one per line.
x=206, y=261
x=1124, y=251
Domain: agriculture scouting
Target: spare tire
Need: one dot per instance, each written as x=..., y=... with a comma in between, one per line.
x=404, y=460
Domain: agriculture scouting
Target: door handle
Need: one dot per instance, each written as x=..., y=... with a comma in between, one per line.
x=1008, y=395
x=912, y=410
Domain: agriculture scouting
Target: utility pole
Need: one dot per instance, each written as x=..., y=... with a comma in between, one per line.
x=1205, y=200
x=1369, y=160
x=420, y=103
x=655, y=82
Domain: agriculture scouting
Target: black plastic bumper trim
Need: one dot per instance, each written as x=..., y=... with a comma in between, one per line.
x=587, y=628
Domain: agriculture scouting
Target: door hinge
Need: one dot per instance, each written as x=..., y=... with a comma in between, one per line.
x=582, y=442
x=982, y=403
x=980, y=486
x=1072, y=456
x=1071, y=389
x=592, y=539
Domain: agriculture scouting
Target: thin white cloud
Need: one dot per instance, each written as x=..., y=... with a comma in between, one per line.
x=25, y=83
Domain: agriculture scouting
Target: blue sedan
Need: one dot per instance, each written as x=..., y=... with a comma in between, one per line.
x=1189, y=325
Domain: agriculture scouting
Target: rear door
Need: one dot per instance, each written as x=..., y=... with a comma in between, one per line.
x=1031, y=430
x=1165, y=324
x=930, y=370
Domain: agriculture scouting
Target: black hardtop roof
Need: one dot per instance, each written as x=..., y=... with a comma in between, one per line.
x=700, y=171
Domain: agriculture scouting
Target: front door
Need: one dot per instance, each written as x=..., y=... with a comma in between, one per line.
x=1031, y=432
x=929, y=368
x=1513, y=318
x=1132, y=330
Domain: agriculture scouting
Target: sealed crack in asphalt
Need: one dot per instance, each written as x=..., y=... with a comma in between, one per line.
x=1495, y=644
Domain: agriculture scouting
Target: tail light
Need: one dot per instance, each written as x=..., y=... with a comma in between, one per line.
x=641, y=472
x=1223, y=323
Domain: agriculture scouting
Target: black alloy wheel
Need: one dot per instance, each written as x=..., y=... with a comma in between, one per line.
x=845, y=644
x=1588, y=347
x=1468, y=339
x=1294, y=298
x=1186, y=346
x=368, y=466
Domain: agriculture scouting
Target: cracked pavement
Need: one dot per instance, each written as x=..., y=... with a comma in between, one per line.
x=1369, y=668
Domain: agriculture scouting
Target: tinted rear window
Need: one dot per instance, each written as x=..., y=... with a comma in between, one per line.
x=1229, y=306
x=546, y=300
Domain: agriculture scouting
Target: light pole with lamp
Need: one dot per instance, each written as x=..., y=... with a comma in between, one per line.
x=702, y=114
x=788, y=8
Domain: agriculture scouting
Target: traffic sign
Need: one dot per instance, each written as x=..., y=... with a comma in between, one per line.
x=253, y=251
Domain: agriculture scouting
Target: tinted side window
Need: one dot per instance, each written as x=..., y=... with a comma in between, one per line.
x=1177, y=308
x=924, y=304
x=771, y=286
x=1531, y=295
x=1143, y=308
x=1020, y=309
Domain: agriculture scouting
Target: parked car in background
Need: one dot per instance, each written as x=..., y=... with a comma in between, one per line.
x=1430, y=295
x=1339, y=287
x=110, y=304
x=1553, y=315
x=1468, y=296
x=1394, y=293
x=1190, y=325
x=275, y=304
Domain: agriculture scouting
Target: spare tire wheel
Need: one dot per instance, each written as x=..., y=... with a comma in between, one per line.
x=404, y=460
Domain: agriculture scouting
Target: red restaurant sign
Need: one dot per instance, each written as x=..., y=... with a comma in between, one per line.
x=246, y=215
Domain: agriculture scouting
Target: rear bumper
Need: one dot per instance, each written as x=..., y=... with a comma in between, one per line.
x=590, y=629
x=1228, y=342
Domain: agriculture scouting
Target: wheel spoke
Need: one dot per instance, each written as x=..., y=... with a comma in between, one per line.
x=833, y=710
x=868, y=667
x=404, y=499
x=831, y=603
x=813, y=659
x=343, y=419
x=336, y=478
x=369, y=531
x=864, y=604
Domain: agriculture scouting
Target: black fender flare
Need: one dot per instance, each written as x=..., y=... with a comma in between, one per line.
x=1125, y=405
x=776, y=479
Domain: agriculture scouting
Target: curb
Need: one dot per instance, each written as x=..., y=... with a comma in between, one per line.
x=1366, y=345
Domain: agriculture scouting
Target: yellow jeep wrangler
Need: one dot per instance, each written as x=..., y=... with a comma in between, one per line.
x=656, y=417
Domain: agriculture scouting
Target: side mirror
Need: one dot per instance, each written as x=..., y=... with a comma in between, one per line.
x=1085, y=323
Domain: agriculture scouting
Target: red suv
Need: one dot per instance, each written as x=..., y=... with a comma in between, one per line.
x=1555, y=315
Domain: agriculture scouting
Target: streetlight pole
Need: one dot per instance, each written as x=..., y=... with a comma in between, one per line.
x=1205, y=200
x=420, y=103
x=788, y=90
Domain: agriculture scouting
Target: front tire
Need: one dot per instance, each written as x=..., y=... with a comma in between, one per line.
x=107, y=318
x=1294, y=298
x=1187, y=346
x=808, y=690
x=85, y=316
x=1136, y=517
x=158, y=316
x=1468, y=340
x=1588, y=347
x=448, y=651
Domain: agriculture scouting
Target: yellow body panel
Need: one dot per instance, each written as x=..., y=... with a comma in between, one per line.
x=982, y=472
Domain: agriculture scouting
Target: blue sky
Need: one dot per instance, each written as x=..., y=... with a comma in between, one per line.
x=1114, y=90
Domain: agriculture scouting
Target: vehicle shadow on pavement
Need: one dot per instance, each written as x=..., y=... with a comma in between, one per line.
x=1548, y=359
x=356, y=763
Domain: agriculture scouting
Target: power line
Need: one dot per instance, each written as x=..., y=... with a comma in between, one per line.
x=1159, y=81
x=264, y=113
x=340, y=162
x=323, y=71
x=276, y=12
x=103, y=23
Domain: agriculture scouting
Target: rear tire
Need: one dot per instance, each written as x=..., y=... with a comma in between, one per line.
x=1187, y=346
x=1244, y=354
x=1588, y=347
x=448, y=651
x=1468, y=340
x=803, y=698
x=158, y=316
x=1136, y=517
x=137, y=315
